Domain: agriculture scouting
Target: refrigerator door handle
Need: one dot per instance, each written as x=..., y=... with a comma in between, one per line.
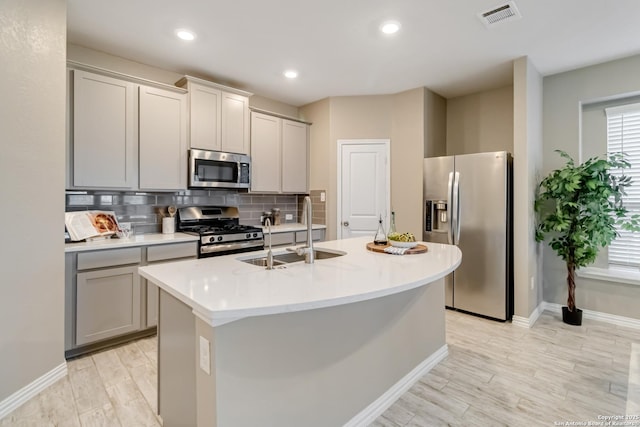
x=456, y=208
x=450, y=210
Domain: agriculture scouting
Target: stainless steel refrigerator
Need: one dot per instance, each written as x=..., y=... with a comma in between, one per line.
x=468, y=202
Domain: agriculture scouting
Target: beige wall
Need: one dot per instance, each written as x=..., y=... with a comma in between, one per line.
x=480, y=122
x=273, y=106
x=341, y=118
x=32, y=131
x=435, y=125
x=352, y=117
x=563, y=96
x=407, y=154
x=527, y=153
x=402, y=119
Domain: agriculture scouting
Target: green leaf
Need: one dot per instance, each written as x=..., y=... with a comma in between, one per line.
x=578, y=206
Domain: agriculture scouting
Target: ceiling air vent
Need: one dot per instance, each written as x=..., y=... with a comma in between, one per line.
x=499, y=14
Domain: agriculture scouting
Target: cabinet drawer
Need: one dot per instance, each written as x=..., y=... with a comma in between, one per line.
x=279, y=239
x=173, y=251
x=301, y=236
x=108, y=258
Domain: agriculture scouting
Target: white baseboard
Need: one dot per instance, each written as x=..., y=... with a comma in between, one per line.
x=596, y=315
x=14, y=401
x=381, y=404
x=527, y=322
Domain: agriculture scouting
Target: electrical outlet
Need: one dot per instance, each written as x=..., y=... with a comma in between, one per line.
x=323, y=196
x=205, y=355
x=288, y=217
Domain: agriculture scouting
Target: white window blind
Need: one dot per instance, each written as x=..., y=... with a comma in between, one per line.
x=623, y=135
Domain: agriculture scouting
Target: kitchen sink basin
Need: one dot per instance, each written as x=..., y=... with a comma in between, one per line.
x=262, y=262
x=280, y=259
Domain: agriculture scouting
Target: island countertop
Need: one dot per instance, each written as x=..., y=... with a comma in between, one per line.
x=223, y=289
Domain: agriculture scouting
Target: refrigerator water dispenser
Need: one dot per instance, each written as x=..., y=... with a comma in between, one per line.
x=436, y=216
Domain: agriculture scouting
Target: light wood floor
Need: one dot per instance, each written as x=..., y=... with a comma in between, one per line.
x=495, y=375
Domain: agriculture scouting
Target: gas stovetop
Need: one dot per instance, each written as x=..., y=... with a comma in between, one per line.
x=224, y=229
x=219, y=230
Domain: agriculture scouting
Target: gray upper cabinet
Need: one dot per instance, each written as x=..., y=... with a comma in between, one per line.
x=218, y=116
x=104, y=141
x=235, y=123
x=125, y=133
x=163, y=139
x=265, y=153
x=279, y=154
x=205, y=117
x=294, y=156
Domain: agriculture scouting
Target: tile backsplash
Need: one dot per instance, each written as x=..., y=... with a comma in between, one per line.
x=318, y=206
x=253, y=205
x=144, y=210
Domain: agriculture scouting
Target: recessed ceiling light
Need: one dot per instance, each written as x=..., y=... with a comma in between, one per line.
x=185, y=35
x=291, y=74
x=390, y=27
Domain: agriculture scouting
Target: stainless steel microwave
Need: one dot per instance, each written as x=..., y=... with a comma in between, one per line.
x=218, y=169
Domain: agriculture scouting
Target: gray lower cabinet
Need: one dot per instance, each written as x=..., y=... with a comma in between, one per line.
x=107, y=304
x=280, y=239
x=316, y=235
x=291, y=238
x=106, y=301
x=158, y=254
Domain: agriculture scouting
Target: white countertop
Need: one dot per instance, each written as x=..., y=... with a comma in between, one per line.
x=136, y=240
x=292, y=226
x=223, y=289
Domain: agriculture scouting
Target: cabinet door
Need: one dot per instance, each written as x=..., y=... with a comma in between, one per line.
x=235, y=123
x=316, y=235
x=104, y=143
x=265, y=153
x=294, y=157
x=107, y=304
x=163, y=139
x=156, y=254
x=204, y=117
x=279, y=239
x=152, y=304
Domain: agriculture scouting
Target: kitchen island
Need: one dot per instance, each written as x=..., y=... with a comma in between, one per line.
x=326, y=344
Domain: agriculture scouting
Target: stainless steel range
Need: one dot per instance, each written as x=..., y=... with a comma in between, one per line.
x=219, y=230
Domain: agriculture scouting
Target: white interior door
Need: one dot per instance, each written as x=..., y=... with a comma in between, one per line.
x=363, y=186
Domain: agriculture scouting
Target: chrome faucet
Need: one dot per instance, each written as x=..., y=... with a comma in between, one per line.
x=307, y=251
x=267, y=222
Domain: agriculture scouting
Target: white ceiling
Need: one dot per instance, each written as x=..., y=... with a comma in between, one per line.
x=337, y=48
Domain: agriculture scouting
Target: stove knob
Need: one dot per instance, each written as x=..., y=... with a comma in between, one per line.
x=211, y=239
x=219, y=238
x=248, y=236
x=255, y=234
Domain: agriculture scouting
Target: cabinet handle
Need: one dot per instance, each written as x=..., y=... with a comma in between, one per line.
x=346, y=223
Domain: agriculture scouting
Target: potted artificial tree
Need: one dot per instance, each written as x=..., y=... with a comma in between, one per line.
x=578, y=206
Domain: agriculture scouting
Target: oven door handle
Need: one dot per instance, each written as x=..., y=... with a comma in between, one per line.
x=207, y=249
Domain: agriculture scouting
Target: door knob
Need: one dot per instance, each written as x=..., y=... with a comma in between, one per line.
x=346, y=223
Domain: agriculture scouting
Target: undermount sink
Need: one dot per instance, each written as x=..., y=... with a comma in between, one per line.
x=262, y=262
x=290, y=257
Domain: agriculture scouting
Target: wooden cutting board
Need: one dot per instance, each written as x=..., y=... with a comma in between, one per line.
x=418, y=249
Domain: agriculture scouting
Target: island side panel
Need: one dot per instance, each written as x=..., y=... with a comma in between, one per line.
x=322, y=367
x=176, y=362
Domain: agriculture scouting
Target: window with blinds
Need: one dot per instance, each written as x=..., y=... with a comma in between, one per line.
x=623, y=135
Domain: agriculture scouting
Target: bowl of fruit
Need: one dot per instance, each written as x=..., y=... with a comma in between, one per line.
x=402, y=240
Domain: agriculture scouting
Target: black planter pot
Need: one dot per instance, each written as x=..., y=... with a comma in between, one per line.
x=572, y=317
